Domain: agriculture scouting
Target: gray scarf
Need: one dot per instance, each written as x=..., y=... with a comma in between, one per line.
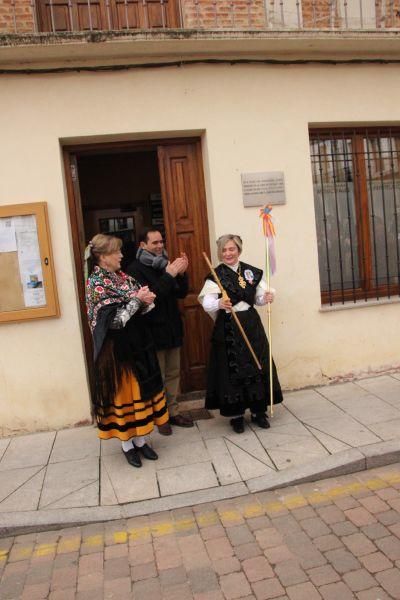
x=151, y=260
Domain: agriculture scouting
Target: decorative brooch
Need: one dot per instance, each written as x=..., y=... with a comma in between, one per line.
x=249, y=276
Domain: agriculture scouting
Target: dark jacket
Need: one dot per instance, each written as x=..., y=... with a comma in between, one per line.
x=164, y=320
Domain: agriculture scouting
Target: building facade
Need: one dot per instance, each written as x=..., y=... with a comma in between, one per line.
x=123, y=114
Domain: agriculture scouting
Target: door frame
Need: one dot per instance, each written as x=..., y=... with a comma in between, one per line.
x=70, y=154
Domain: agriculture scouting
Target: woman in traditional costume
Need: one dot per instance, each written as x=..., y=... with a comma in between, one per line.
x=234, y=381
x=128, y=389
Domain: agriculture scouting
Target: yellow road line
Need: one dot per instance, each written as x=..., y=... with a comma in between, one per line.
x=45, y=549
x=253, y=509
x=94, y=540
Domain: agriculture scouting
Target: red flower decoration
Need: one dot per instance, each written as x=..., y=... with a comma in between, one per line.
x=99, y=289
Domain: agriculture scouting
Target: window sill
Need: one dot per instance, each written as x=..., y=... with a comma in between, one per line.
x=359, y=304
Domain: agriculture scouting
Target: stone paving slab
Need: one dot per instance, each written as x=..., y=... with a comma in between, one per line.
x=336, y=393
x=14, y=479
x=75, y=444
x=250, y=444
x=3, y=446
x=128, y=484
x=22, y=488
x=281, y=435
x=247, y=465
x=345, y=429
x=387, y=431
x=108, y=496
x=385, y=387
x=28, y=451
x=367, y=409
x=182, y=454
x=222, y=460
x=187, y=478
x=332, y=444
x=63, y=480
x=316, y=432
x=309, y=405
x=87, y=495
x=288, y=455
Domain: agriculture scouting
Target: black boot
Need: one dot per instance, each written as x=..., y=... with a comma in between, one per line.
x=237, y=424
x=261, y=420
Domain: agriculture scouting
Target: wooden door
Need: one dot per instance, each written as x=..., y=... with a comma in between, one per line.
x=186, y=228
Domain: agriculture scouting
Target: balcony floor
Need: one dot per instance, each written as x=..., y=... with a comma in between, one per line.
x=21, y=51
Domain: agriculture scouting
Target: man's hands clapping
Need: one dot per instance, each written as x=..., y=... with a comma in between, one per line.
x=178, y=266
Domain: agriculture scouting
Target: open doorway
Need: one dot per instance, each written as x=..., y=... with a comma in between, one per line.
x=123, y=188
x=121, y=195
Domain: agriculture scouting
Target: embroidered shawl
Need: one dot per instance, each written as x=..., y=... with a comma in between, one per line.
x=104, y=288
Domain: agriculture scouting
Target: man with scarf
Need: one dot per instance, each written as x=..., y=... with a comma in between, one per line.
x=168, y=280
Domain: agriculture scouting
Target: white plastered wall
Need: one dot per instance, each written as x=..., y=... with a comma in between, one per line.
x=254, y=118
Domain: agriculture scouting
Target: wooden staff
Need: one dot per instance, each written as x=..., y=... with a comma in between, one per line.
x=235, y=317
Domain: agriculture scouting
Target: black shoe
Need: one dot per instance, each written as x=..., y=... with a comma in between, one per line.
x=238, y=424
x=261, y=420
x=133, y=457
x=147, y=452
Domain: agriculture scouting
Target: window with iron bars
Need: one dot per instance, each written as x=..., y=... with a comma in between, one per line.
x=356, y=179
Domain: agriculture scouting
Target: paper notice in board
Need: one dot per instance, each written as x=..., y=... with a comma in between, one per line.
x=32, y=282
x=28, y=245
x=25, y=223
x=30, y=265
x=8, y=242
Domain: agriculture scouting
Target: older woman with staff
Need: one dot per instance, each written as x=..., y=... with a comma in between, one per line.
x=128, y=392
x=235, y=382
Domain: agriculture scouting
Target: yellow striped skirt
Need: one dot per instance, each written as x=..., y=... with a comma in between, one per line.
x=129, y=416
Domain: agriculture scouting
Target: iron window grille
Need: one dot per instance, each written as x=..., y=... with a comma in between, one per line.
x=356, y=180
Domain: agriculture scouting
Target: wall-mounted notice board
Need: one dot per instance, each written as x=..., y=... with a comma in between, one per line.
x=27, y=280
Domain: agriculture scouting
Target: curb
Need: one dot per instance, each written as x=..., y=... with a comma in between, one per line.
x=342, y=463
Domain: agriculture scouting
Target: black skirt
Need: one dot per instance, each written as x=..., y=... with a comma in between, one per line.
x=234, y=382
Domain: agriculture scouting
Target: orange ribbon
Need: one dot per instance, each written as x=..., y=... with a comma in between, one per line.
x=268, y=226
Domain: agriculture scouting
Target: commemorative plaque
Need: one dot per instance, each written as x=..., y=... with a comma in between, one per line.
x=259, y=189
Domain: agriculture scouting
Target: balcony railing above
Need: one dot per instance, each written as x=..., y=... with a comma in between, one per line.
x=56, y=16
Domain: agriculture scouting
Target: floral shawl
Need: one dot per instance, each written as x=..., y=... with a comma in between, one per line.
x=115, y=352
x=104, y=288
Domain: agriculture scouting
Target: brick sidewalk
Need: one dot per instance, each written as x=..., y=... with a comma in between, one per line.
x=336, y=539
